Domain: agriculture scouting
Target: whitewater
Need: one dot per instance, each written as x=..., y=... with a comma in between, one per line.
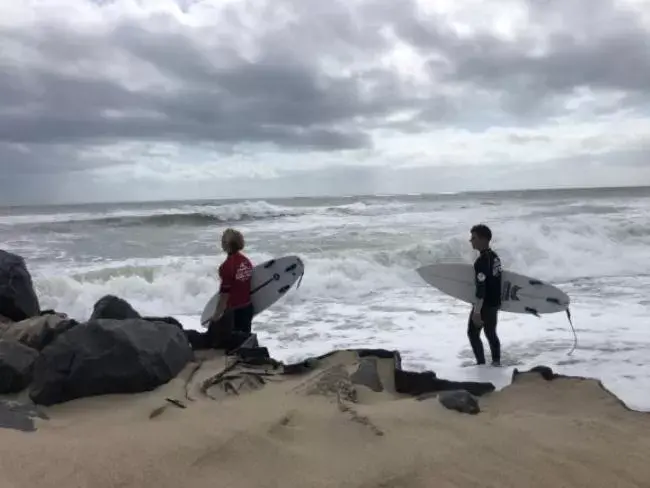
x=360, y=288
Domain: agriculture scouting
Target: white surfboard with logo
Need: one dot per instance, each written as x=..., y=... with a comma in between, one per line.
x=270, y=281
x=519, y=293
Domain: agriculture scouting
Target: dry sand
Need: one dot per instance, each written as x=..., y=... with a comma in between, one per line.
x=307, y=431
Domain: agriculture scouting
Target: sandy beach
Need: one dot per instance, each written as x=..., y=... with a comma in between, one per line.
x=321, y=425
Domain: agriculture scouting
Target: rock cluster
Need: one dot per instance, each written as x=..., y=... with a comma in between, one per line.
x=58, y=359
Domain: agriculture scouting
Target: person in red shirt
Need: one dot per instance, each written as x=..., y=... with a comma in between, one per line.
x=231, y=322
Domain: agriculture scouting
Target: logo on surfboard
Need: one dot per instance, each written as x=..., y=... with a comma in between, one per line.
x=510, y=292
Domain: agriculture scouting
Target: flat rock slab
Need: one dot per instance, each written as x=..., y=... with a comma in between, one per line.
x=367, y=375
x=19, y=416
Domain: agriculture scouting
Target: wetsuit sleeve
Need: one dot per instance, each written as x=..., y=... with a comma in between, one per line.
x=226, y=276
x=480, y=277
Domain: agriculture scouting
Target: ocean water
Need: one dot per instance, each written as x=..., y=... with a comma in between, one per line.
x=360, y=288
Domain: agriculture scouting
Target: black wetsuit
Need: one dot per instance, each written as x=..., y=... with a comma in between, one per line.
x=487, y=278
x=228, y=333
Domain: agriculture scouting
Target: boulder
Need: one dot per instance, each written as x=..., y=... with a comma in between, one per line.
x=106, y=356
x=112, y=307
x=169, y=320
x=16, y=363
x=544, y=371
x=460, y=400
x=18, y=299
x=37, y=332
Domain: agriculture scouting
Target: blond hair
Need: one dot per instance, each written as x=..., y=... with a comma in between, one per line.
x=233, y=240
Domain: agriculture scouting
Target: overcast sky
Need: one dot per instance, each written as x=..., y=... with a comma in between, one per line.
x=163, y=99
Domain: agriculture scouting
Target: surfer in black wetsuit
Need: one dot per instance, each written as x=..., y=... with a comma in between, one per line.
x=487, y=278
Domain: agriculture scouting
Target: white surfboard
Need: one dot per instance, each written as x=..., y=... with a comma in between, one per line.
x=270, y=281
x=519, y=293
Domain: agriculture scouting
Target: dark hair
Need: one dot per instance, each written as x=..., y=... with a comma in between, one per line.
x=483, y=231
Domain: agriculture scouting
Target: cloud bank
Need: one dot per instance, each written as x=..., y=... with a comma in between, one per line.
x=179, y=99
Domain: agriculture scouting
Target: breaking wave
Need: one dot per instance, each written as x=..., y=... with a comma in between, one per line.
x=195, y=215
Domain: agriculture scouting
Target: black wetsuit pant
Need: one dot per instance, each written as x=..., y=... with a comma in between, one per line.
x=490, y=319
x=233, y=328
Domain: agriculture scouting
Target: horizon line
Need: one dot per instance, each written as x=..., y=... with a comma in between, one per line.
x=330, y=196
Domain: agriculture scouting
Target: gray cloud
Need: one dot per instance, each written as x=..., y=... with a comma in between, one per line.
x=313, y=83
x=216, y=95
x=596, y=44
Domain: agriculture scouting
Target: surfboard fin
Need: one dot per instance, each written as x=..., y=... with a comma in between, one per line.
x=301, y=274
x=575, y=337
x=532, y=311
x=300, y=280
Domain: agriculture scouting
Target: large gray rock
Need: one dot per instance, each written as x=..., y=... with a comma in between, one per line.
x=16, y=363
x=109, y=356
x=112, y=307
x=18, y=299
